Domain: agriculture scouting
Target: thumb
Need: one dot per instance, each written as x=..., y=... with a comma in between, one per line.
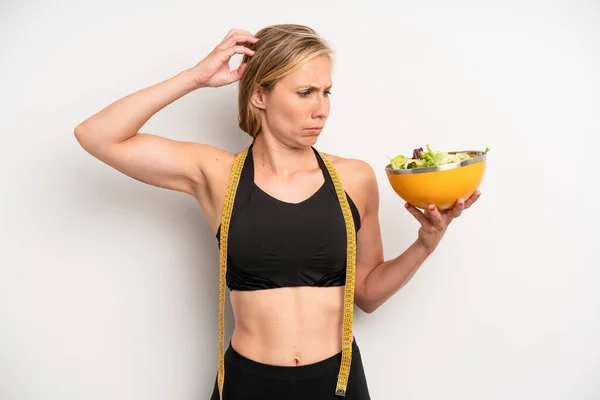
x=236, y=75
x=418, y=214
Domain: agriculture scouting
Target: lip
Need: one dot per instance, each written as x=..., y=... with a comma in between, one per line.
x=315, y=129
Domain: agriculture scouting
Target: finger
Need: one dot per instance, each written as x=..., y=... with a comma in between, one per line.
x=238, y=40
x=417, y=214
x=237, y=74
x=238, y=50
x=472, y=199
x=435, y=216
x=458, y=208
x=236, y=32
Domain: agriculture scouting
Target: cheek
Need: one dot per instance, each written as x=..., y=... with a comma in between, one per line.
x=291, y=114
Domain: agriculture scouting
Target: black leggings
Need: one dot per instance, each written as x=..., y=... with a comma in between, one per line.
x=246, y=379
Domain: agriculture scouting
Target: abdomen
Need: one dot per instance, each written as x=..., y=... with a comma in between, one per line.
x=288, y=326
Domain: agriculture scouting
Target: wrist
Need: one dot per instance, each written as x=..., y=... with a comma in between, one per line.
x=422, y=249
x=191, y=81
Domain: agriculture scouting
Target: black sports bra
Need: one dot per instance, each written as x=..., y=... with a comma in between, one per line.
x=275, y=244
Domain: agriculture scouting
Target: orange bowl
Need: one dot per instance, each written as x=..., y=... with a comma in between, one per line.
x=442, y=185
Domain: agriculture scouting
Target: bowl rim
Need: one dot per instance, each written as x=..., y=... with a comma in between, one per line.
x=481, y=156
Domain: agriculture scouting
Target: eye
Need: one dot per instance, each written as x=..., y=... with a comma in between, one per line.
x=309, y=91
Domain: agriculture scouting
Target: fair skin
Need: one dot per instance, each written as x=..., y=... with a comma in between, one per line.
x=285, y=326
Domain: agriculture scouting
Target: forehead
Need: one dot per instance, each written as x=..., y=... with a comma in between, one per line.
x=315, y=72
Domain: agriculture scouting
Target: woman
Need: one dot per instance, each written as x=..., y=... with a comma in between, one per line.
x=294, y=263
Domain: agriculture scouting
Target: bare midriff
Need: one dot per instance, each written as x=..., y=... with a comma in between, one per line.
x=289, y=326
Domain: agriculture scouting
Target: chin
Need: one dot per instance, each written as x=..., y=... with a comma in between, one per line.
x=310, y=140
x=301, y=140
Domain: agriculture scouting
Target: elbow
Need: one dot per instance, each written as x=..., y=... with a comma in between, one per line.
x=80, y=134
x=81, y=128
x=362, y=300
x=87, y=137
x=366, y=309
x=367, y=306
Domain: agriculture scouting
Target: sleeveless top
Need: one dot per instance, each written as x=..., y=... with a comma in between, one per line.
x=275, y=244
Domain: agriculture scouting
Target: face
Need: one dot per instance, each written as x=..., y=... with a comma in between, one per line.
x=296, y=108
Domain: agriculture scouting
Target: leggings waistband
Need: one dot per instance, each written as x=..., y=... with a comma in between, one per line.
x=289, y=372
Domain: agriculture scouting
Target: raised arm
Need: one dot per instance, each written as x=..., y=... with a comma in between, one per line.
x=112, y=135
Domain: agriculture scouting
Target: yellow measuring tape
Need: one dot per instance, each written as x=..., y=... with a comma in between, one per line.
x=234, y=179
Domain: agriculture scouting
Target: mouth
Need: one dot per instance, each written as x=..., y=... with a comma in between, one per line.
x=315, y=129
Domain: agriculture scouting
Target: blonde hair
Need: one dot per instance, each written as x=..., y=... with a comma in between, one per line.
x=280, y=50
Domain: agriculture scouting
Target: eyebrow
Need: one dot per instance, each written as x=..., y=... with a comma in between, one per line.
x=311, y=87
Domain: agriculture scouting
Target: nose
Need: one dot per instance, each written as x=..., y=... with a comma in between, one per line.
x=321, y=108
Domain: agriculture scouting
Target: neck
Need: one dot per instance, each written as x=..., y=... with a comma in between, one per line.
x=279, y=159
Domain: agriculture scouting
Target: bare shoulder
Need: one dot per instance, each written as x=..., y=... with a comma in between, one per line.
x=211, y=154
x=352, y=170
x=215, y=164
x=212, y=162
x=358, y=178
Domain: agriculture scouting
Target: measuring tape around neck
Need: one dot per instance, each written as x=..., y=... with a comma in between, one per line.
x=348, y=316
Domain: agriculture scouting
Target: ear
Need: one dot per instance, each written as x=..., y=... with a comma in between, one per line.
x=258, y=99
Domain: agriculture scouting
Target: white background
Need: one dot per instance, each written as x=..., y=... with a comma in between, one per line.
x=108, y=286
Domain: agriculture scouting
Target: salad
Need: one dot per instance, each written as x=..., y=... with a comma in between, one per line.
x=429, y=158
